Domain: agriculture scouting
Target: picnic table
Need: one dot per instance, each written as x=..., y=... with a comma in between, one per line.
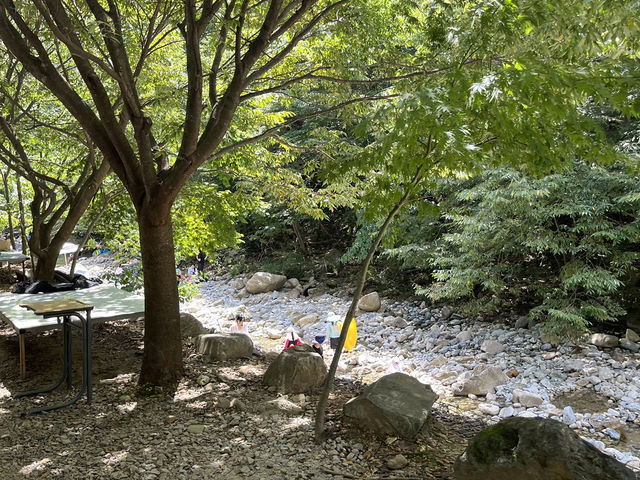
x=109, y=303
x=11, y=256
x=65, y=311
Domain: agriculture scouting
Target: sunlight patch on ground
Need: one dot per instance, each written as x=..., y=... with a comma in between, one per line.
x=231, y=375
x=112, y=459
x=4, y=393
x=296, y=423
x=37, y=466
x=186, y=395
x=241, y=442
x=126, y=408
x=123, y=378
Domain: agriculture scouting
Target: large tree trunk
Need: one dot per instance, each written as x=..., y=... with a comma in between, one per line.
x=162, y=360
x=46, y=265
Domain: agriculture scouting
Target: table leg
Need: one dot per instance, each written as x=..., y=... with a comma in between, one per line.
x=66, y=363
x=66, y=369
x=23, y=365
x=89, y=353
x=85, y=326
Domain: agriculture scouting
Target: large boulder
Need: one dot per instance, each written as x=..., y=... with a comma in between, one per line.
x=297, y=369
x=484, y=379
x=370, y=302
x=224, y=346
x=535, y=449
x=190, y=326
x=632, y=335
x=396, y=404
x=603, y=340
x=262, y=282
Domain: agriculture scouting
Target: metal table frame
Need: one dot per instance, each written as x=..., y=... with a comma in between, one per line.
x=66, y=316
x=109, y=303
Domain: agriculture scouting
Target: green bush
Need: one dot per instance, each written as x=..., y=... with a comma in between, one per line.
x=563, y=246
x=292, y=265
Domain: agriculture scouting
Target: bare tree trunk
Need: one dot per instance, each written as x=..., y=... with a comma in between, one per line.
x=300, y=238
x=361, y=279
x=23, y=227
x=362, y=276
x=85, y=238
x=5, y=182
x=162, y=359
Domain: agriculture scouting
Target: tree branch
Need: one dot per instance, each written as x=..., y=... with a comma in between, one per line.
x=270, y=131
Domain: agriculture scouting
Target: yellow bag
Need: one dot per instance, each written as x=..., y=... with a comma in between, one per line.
x=352, y=335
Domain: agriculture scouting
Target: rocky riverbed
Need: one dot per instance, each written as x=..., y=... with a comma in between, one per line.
x=222, y=423
x=594, y=390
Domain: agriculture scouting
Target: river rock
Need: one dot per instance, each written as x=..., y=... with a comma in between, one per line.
x=297, y=369
x=527, y=399
x=629, y=345
x=306, y=320
x=224, y=346
x=492, y=347
x=484, y=379
x=535, y=449
x=370, y=302
x=603, y=340
x=464, y=336
x=262, y=282
x=396, y=404
x=632, y=335
x=446, y=312
x=522, y=322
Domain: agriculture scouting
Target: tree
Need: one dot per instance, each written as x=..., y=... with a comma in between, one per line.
x=45, y=147
x=160, y=101
x=511, y=90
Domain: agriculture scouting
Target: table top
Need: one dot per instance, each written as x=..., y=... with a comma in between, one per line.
x=57, y=307
x=109, y=302
x=12, y=256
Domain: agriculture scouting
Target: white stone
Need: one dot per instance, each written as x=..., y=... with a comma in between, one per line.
x=489, y=408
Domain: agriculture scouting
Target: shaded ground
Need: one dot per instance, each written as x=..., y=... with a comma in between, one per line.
x=215, y=427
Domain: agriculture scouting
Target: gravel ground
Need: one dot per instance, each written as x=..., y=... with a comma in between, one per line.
x=220, y=423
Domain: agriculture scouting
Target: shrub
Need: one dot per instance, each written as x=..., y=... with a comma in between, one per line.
x=562, y=245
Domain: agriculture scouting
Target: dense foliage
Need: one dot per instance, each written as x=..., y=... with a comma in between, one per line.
x=564, y=246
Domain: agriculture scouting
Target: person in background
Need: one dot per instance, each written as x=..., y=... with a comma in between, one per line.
x=292, y=339
x=192, y=273
x=333, y=330
x=201, y=258
x=317, y=344
x=239, y=326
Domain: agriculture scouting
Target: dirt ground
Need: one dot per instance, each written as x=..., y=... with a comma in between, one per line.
x=30, y=446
